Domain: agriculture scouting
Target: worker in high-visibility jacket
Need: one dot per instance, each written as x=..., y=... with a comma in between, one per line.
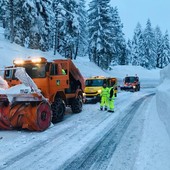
x=63, y=72
x=104, y=97
x=111, y=99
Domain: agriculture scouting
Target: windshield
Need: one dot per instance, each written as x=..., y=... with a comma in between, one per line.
x=95, y=82
x=35, y=70
x=130, y=79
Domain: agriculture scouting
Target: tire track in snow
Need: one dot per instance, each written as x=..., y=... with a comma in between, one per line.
x=55, y=137
x=99, y=155
x=69, y=133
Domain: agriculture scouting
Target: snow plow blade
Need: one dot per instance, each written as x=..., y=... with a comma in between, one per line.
x=4, y=110
x=31, y=115
x=23, y=106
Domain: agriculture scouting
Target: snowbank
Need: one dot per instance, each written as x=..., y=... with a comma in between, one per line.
x=10, y=51
x=163, y=97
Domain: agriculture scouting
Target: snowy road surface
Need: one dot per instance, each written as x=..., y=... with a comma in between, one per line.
x=94, y=139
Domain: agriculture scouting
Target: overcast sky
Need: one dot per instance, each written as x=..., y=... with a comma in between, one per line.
x=133, y=11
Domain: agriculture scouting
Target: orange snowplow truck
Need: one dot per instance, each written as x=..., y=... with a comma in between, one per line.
x=59, y=81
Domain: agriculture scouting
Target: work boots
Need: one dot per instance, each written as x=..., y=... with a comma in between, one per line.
x=111, y=111
x=101, y=108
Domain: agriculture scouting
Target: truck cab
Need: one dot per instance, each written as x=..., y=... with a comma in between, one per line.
x=131, y=83
x=59, y=81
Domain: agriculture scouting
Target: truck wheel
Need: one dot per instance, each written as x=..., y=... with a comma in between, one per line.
x=43, y=116
x=139, y=88
x=58, y=109
x=77, y=104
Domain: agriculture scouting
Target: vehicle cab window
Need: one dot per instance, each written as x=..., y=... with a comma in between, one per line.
x=8, y=74
x=54, y=69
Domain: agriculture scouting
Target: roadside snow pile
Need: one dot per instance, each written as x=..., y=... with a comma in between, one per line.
x=163, y=97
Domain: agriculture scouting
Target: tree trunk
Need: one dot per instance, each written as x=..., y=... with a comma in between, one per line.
x=56, y=33
x=76, y=51
x=11, y=9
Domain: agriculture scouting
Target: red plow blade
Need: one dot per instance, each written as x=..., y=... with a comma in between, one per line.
x=4, y=122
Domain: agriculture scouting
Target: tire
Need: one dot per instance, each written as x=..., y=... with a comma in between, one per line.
x=139, y=88
x=58, y=109
x=77, y=104
x=43, y=116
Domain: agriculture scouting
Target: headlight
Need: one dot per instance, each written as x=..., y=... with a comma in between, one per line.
x=99, y=91
x=36, y=60
x=18, y=61
x=134, y=87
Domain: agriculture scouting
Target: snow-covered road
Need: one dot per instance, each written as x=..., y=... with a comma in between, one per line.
x=92, y=139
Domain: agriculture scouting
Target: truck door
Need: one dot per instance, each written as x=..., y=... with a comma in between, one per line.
x=59, y=79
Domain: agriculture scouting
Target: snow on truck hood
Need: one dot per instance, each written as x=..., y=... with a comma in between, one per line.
x=27, y=86
x=20, y=88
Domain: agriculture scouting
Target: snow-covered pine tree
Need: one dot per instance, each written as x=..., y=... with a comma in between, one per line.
x=165, y=54
x=100, y=36
x=27, y=22
x=129, y=52
x=150, y=46
x=58, y=27
x=21, y=26
x=37, y=13
x=9, y=7
x=83, y=32
x=2, y=12
x=66, y=28
x=159, y=45
x=93, y=27
x=120, y=54
x=71, y=27
x=113, y=57
x=15, y=23
x=138, y=46
x=106, y=36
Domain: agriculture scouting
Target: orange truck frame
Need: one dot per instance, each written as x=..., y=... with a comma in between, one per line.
x=59, y=81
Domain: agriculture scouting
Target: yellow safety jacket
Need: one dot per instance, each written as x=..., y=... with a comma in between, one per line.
x=111, y=93
x=104, y=91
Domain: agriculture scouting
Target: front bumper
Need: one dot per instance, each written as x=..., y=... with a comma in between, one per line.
x=128, y=88
x=92, y=99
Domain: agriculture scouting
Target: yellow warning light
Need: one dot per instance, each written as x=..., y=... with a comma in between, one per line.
x=18, y=61
x=36, y=60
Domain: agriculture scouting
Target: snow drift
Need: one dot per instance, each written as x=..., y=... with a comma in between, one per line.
x=163, y=97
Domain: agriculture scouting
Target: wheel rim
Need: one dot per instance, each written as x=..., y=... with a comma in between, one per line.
x=43, y=116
